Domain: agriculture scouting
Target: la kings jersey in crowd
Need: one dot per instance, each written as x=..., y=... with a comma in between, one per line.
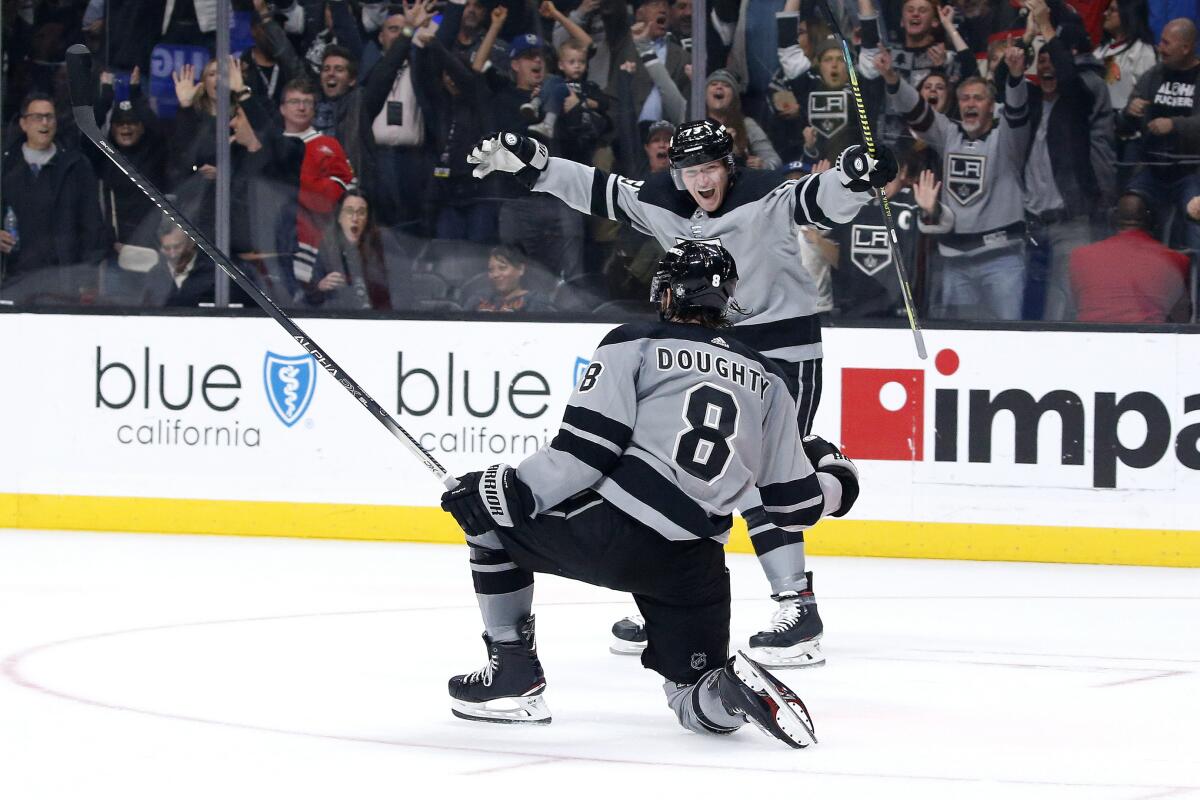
x=671, y=424
x=757, y=224
x=865, y=282
x=981, y=177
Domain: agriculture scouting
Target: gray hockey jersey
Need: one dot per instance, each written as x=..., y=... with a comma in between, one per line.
x=672, y=423
x=757, y=224
x=981, y=177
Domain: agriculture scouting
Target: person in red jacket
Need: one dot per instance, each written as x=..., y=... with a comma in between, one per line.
x=1130, y=277
x=324, y=177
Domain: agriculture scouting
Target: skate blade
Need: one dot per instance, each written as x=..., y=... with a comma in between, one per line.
x=622, y=647
x=792, y=717
x=506, y=710
x=798, y=656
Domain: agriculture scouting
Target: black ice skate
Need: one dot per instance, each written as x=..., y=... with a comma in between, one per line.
x=509, y=687
x=629, y=636
x=747, y=688
x=793, y=640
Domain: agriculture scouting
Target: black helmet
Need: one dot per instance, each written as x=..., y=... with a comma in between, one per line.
x=699, y=142
x=699, y=274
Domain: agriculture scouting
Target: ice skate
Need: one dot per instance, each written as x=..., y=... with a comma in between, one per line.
x=793, y=639
x=629, y=636
x=509, y=688
x=747, y=688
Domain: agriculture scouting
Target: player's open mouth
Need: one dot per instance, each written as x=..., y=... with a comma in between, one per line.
x=706, y=193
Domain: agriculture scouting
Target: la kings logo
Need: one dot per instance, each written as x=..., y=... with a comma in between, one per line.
x=827, y=112
x=869, y=249
x=965, y=176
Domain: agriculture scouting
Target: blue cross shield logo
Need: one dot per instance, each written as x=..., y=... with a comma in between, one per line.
x=289, y=381
x=581, y=365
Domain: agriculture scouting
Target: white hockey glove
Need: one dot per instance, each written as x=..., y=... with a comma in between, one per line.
x=863, y=172
x=508, y=152
x=826, y=457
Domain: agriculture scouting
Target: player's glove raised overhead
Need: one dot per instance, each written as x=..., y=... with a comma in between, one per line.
x=826, y=457
x=507, y=152
x=484, y=501
x=863, y=172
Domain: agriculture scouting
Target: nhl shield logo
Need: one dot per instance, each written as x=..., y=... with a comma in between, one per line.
x=827, y=112
x=699, y=660
x=964, y=176
x=290, y=382
x=869, y=249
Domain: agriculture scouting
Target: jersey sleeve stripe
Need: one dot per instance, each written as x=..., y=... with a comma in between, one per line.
x=808, y=209
x=587, y=421
x=596, y=456
x=920, y=116
x=600, y=201
x=798, y=520
x=591, y=437
x=783, y=496
x=809, y=503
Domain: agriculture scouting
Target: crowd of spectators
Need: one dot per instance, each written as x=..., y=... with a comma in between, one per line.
x=1049, y=149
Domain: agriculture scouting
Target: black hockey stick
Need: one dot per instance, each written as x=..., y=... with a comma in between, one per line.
x=888, y=221
x=79, y=74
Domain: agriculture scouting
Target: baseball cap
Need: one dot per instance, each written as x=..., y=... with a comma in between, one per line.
x=523, y=44
x=649, y=131
x=124, y=113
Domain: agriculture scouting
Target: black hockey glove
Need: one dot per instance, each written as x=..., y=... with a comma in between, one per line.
x=862, y=173
x=508, y=152
x=484, y=501
x=826, y=457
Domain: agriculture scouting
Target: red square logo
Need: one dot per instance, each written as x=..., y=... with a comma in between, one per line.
x=883, y=414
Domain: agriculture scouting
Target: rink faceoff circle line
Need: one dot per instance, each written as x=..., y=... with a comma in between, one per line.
x=11, y=668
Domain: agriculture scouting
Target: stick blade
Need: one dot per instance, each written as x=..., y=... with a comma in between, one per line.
x=79, y=77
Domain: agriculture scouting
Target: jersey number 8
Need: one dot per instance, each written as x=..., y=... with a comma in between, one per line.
x=702, y=449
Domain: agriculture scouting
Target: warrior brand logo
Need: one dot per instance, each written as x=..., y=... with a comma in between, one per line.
x=965, y=176
x=883, y=419
x=869, y=249
x=827, y=112
x=290, y=382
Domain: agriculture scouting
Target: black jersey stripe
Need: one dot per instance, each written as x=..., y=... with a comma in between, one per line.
x=802, y=518
x=596, y=456
x=782, y=495
x=618, y=213
x=600, y=182
x=920, y=117
x=647, y=486
x=808, y=209
x=598, y=425
x=779, y=334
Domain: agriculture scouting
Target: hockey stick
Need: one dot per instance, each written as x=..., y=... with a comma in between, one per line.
x=79, y=75
x=888, y=221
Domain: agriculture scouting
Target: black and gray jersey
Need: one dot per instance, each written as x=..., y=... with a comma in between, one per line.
x=982, y=178
x=672, y=423
x=757, y=223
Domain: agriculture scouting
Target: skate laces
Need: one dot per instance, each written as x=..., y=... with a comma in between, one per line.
x=788, y=613
x=485, y=674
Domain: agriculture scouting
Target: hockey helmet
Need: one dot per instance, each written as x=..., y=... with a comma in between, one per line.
x=699, y=142
x=699, y=275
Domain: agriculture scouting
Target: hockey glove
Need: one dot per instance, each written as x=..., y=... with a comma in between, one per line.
x=508, y=152
x=826, y=457
x=862, y=172
x=484, y=501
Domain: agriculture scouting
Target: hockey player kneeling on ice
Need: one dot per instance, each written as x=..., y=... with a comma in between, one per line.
x=670, y=424
x=754, y=216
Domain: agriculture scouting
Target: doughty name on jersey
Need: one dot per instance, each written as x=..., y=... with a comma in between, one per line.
x=706, y=363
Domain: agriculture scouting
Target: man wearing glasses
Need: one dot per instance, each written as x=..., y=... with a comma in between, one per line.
x=56, y=220
x=324, y=176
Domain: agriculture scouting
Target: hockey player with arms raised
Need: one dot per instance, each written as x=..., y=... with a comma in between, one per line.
x=669, y=426
x=755, y=217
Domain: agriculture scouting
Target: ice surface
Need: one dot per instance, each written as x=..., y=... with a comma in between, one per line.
x=172, y=667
